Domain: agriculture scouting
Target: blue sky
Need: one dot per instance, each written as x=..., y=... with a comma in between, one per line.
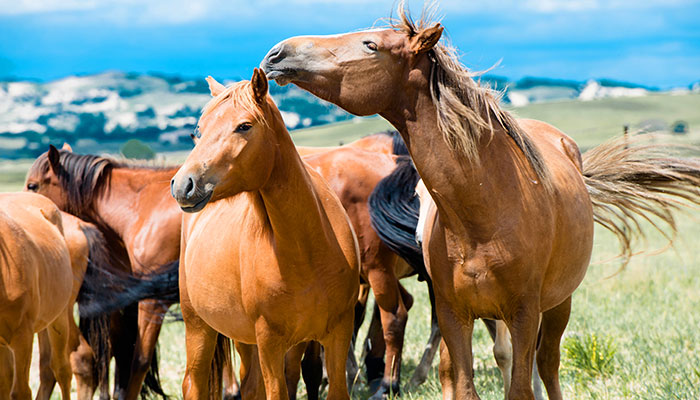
x=652, y=42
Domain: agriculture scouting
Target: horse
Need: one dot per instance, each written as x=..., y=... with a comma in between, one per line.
x=36, y=286
x=512, y=231
x=393, y=211
x=284, y=264
x=141, y=224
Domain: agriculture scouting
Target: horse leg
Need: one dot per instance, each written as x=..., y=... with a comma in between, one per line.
x=456, y=364
x=123, y=331
x=374, y=348
x=59, y=337
x=22, y=349
x=200, y=343
x=336, y=345
x=7, y=369
x=554, y=323
x=271, y=350
x=312, y=370
x=82, y=361
x=523, y=326
x=231, y=389
x=252, y=386
x=292, y=368
x=47, y=380
x=421, y=373
x=394, y=315
x=503, y=353
x=150, y=320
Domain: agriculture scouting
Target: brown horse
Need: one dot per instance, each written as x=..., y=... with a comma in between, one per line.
x=272, y=259
x=513, y=231
x=141, y=223
x=36, y=290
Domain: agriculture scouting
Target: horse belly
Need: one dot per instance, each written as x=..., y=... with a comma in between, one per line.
x=216, y=298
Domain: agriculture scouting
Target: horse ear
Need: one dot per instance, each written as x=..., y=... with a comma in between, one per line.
x=259, y=84
x=426, y=39
x=54, y=159
x=66, y=147
x=215, y=87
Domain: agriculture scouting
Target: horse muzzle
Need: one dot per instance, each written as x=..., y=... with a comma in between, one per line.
x=185, y=191
x=282, y=64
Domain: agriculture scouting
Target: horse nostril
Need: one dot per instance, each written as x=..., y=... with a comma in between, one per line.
x=189, y=191
x=276, y=54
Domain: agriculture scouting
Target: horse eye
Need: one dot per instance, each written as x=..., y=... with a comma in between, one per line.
x=197, y=134
x=244, y=127
x=32, y=186
x=370, y=45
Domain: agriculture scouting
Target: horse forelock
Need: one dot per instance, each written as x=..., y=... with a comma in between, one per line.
x=465, y=109
x=240, y=95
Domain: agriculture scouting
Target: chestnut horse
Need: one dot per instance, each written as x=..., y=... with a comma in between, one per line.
x=36, y=290
x=272, y=259
x=512, y=234
x=141, y=224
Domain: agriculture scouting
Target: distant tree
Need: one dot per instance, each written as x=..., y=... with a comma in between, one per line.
x=679, y=128
x=136, y=149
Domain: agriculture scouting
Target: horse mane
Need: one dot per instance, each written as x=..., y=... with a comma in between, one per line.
x=465, y=109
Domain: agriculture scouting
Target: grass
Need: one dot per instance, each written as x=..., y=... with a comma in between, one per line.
x=633, y=335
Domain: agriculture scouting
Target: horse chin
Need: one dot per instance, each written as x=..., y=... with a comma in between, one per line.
x=199, y=205
x=282, y=78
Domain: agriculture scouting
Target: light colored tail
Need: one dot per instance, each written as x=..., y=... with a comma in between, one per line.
x=636, y=180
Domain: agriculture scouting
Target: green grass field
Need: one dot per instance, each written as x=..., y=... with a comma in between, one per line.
x=634, y=335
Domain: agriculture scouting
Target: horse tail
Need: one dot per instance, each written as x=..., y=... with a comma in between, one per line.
x=632, y=181
x=394, y=207
x=222, y=356
x=96, y=329
x=106, y=290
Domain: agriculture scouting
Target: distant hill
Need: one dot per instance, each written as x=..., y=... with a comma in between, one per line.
x=100, y=112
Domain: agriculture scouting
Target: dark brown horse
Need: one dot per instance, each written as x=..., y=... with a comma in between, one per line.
x=512, y=234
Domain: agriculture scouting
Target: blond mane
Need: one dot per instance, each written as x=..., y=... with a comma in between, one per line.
x=241, y=95
x=465, y=109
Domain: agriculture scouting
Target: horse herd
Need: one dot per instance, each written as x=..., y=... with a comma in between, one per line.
x=279, y=245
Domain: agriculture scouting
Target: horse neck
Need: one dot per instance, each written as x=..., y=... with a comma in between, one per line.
x=290, y=199
x=471, y=197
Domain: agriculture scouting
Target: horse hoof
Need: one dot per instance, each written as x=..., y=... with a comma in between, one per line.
x=374, y=385
x=385, y=391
